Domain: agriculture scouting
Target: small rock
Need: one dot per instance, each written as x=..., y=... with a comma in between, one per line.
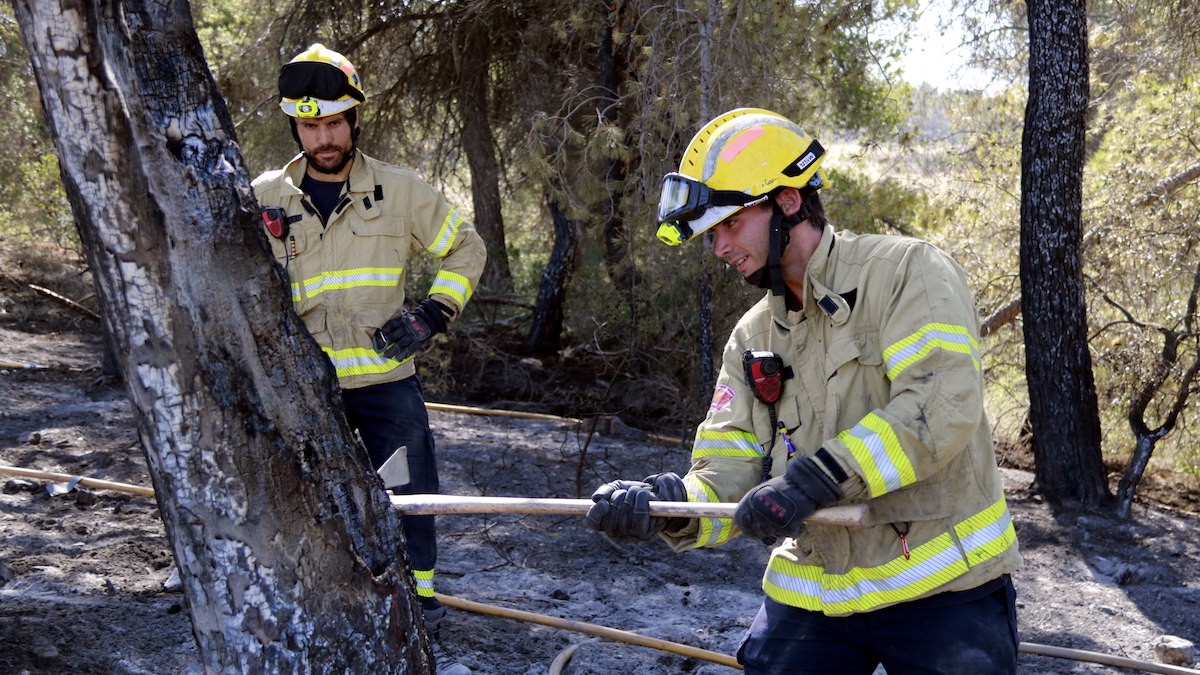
x=1174, y=650
x=559, y=594
x=43, y=648
x=19, y=485
x=533, y=364
x=84, y=498
x=31, y=438
x=173, y=583
x=1127, y=575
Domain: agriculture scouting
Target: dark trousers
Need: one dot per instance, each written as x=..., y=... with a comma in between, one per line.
x=949, y=634
x=388, y=416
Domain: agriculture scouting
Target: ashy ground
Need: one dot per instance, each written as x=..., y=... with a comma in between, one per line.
x=84, y=575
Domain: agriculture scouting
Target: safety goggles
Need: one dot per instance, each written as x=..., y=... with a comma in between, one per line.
x=684, y=200
x=313, y=79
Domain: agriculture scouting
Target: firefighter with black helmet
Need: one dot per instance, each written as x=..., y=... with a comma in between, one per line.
x=855, y=380
x=344, y=226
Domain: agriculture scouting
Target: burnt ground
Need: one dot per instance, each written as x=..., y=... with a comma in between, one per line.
x=84, y=574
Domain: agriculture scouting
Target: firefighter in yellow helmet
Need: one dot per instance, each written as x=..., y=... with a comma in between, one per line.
x=856, y=380
x=344, y=226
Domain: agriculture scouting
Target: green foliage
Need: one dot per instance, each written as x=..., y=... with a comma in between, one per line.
x=861, y=204
x=33, y=204
x=1142, y=264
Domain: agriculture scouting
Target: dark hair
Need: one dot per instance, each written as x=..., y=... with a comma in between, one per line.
x=816, y=212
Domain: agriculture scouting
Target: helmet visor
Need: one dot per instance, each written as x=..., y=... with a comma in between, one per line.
x=684, y=201
x=313, y=79
x=682, y=198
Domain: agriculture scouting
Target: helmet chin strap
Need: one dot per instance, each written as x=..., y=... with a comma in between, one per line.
x=770, y=277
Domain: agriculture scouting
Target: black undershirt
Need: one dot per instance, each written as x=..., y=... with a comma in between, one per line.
x=324, y=194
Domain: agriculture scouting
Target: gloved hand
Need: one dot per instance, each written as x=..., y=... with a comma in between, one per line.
x=779, y=507
x=406, y=333
x=622, y=507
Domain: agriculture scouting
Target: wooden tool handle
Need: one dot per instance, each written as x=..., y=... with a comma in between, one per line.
x=429, y=504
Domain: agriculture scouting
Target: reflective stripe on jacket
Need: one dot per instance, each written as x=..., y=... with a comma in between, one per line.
x=887, y=379
x=347, y=276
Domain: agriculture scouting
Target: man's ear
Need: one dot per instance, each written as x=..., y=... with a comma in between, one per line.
x=789, y=200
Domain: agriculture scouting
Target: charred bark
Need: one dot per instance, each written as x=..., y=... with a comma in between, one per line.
x=1146, y=437
x=545, y=335
x=289, y=551
x=1063, y=406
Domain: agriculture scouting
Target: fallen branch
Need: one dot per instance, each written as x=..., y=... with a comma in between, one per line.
x=65, y=301
x=492, y=412
x=591, y=629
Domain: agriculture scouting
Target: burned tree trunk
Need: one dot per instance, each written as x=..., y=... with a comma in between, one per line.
x=1062, y=393
x=290, y=554
x=545, y=335
x=1171, y=364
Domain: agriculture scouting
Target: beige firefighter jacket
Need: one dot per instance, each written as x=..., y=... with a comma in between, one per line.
x=347, y=275
x=887, y=378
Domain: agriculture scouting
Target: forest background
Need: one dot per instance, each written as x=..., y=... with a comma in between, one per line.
x=553, y=125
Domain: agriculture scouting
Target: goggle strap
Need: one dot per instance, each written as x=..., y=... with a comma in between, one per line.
x=734, y=198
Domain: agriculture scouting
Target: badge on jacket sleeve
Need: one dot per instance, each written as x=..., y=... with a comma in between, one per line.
x=722, y=398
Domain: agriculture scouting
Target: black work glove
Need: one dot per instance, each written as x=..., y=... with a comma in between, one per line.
x=407, y=332
x=622, y=507
x=779, y=507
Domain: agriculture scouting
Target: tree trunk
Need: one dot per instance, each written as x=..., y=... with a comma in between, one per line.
x=708, y=369
x=289, y=551
x=616, y=241
x=1063, y=407
x=1145, y=436
x=545, y=336
x=480, y=148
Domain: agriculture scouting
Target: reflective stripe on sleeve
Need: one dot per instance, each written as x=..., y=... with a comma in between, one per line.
x=875, y=447
x=452, y=284
x=712, y=531
x=863, y=589
x=716, y=443
x=931, y=336
x=446, y=235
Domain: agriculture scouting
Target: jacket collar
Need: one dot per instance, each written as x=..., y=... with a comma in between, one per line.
x=815, y=293
x=360, y=183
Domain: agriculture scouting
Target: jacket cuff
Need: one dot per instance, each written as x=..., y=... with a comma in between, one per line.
x=830, y=466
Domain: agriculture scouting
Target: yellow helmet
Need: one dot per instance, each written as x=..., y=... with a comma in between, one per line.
x=734, y=161
x=317, y=83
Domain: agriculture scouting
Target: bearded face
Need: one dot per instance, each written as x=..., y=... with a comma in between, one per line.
x=327, y=142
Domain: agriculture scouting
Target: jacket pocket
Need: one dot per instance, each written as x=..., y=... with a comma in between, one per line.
x=927, y=500
x=380, y=242
x=855, y=380
x=370, y=316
